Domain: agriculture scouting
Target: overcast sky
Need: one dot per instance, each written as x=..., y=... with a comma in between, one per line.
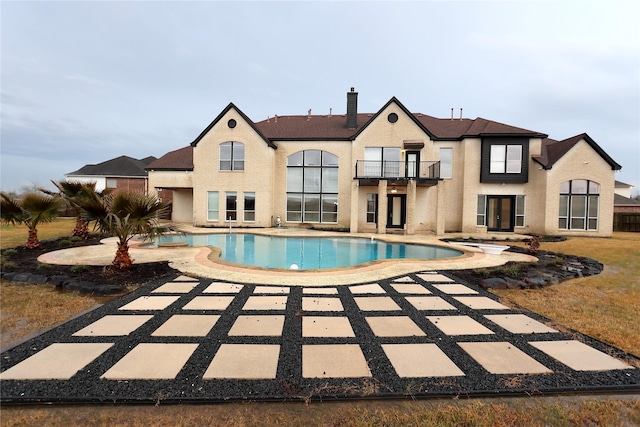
x=84, y=82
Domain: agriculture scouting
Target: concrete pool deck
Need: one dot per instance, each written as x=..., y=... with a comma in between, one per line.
x=203, y=262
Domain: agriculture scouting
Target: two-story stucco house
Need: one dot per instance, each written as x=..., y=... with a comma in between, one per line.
x=391, y=170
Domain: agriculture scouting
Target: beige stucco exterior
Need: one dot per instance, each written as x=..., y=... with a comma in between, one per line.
x=432, y=205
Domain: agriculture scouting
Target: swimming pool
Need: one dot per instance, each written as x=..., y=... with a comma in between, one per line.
x=307, y=253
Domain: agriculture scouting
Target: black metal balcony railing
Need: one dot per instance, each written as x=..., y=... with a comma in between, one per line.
x=386, y=169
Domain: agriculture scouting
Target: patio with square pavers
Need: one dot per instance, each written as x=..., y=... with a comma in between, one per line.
x=203, y=340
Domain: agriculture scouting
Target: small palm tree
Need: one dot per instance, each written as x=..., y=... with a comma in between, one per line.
x=71, y=192
x=32, y=209
x=123, y=214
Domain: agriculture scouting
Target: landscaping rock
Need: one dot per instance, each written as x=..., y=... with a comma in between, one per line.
x=493, y=283
x=36, y=279
x=537, y=281
x=515, y=284
x=58, y=280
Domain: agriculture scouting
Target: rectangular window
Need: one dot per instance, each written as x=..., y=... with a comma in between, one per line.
x=578, y=212
x=372, y=208
x=231, y=156
x=294, y=207
x=505, y=159
x=329, y=208
x=249, y=206
x=563, y=216
x=382, y=162
x=593, y=213
x=112, y=182
x=446, y=162
x=212, y=206
x=231, y=204
x=311, y=212
x=481, y=210
x=519, y=211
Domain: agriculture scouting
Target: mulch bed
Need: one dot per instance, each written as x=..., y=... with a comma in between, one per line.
x=23, y=260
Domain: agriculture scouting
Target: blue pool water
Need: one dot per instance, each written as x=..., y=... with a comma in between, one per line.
x=307, y=252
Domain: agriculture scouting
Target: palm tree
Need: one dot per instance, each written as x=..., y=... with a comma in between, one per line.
x=69, y=191
x=32, y=209
x=123, y=214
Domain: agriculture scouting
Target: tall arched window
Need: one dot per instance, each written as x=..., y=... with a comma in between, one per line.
x=579, y=200
x=312, y=187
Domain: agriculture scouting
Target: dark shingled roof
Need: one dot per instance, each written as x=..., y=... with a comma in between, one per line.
x=619, y=200
x=181, y=159
x=120, y=166
x=553, y=150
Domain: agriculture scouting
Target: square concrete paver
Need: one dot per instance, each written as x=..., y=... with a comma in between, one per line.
x=151, y=361
x=321, y=304
x=459, y=325
x=184, y=278
x=420, y=360
x=266, y=303
x=377, y=304
x=394, y=326
x=223, y=288
x=434, y=278
x=405, y=279
x=150, y=303
x=503, y=358
x=114, y=325
x=271, y=290
x=334, y=361
x=176, y=287
x=579, y=356
x=209, y=303
x=455, y=289
x=410, y=288
x=481, y=303
x=319, y=291
x=519, y=324
x=258, y=326
x=372, y=288
x=317, y=326
x=59, y=361
x=187, y=325
x=244, y=361
x=430, y=303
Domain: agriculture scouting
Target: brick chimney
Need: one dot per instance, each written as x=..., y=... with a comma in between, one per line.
x=352, y=109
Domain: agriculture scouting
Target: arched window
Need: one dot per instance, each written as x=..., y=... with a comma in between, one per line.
x=312, y=187
x=579, y=201
x=232, y=156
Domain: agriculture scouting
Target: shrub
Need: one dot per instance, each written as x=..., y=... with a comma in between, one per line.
x=533, y=243
x=4, y=263
x=75, y=239
x=42, y=266
x=9, y=252
x=64, y=243
x=78, y=268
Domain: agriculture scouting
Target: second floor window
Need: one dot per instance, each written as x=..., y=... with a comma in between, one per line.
x=232, y=156
x=506, y=159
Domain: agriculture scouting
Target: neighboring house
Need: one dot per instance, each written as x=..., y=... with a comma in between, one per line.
x=122, y=173
x=391, y=170
x=622, y=201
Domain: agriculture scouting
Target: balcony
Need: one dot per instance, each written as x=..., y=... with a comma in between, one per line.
x=373, y=171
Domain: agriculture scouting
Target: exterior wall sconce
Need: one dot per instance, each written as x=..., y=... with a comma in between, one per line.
x=394, y=189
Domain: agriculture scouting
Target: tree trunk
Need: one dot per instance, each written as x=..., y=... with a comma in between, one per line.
x=32, y=241
x=122, y=261
x=81, y=229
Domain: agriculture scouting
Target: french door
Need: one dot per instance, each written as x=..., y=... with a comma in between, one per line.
x=500, y=213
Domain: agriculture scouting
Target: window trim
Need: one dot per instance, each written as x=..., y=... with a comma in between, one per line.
x=228, y=196
x=372, y=198
x=495, y=163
